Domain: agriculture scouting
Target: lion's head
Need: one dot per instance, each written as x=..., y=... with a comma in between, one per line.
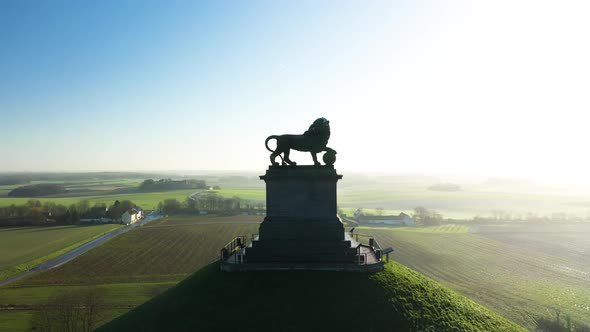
x=319, y=131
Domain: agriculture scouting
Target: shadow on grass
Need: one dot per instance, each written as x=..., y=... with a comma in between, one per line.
x=396, y=299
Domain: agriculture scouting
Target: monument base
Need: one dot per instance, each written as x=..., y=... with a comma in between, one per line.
x=301, y=230
x=291, y=251
x=286, y=229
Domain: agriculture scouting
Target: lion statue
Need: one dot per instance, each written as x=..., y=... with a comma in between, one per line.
x=314, y=140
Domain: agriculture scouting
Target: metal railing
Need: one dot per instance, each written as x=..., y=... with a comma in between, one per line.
x=233, y=251
x=366, y=240
x=233, y=248
x=369, y=240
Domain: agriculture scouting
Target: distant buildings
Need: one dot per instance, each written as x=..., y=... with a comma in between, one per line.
x=129, y=217
x=400, y=220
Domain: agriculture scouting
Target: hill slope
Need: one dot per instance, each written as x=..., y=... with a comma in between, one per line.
x=397, y=299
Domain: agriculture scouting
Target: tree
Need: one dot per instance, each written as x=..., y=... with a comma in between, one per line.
x=191, y=204
x=171, y=206
x=424, y=217
x=420, y=214
x=70, y=311
x=146, y=185
x=83, y=206
x=73, y=215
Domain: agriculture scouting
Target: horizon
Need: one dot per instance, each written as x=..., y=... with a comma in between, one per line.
x=470, y=89
x=462, y=179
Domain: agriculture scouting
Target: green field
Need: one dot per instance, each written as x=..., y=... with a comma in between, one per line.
x=24, y=247
x=148, y=201
x=254, y=195
x=520, y=272
x=98, y=191
x=16, y=320
x=82, y=187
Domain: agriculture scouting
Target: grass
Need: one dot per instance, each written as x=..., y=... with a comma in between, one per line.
x=514, y=277
x=15, y=321
x=24, y=247
x=396, y=298
x=254, y=195
x=115, y=294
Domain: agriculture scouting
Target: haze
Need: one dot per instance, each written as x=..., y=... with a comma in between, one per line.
x=460, y=87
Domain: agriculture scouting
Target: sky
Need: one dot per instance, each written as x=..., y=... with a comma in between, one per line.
x=492, y=88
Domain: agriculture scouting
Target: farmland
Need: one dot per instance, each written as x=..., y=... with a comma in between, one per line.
x=134, y=266
x=520, y=272
x=148, y=201
x=26, y=246
x=392, y=194
x=163, y=250
x=502, y=267
x=403, y=194
x=97, y=191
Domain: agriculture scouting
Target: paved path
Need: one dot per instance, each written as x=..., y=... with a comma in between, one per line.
x=68, y=256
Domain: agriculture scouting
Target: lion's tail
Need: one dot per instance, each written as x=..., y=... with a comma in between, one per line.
x=268, y=139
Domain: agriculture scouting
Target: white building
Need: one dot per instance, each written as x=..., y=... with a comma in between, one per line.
x=132, y=216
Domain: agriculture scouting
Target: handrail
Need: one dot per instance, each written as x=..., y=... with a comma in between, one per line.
x=359, y=255
x=238, y=243
x=367, y=240
x=372, y=241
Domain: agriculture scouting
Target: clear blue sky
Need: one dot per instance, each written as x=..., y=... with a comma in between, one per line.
x=185, y=85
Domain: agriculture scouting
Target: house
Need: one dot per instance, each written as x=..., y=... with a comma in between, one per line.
x=132, y=216
x=400, y=220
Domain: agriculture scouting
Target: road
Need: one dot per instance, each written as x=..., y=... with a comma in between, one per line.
x=60, y=260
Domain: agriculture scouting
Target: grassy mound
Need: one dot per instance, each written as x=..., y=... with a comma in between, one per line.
x=397, y=299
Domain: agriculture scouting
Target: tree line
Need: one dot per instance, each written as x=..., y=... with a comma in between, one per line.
x=35, y=212
x=36, y=190
x=169, y=184
x=210, y=202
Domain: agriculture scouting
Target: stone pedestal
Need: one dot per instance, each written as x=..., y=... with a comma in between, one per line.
x=301, y=224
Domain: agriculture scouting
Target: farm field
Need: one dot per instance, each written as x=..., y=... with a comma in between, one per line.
x=393, y=194
x=27, y=246
x=519, y=272
x=473, y=200
x=82, y=187
x=146, y=200
x=523, y=273
x=134, y=266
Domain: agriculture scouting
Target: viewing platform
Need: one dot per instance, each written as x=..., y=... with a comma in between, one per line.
x=368, y=257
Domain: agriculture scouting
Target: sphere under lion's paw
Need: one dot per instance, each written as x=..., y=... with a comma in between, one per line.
x=329, y=157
